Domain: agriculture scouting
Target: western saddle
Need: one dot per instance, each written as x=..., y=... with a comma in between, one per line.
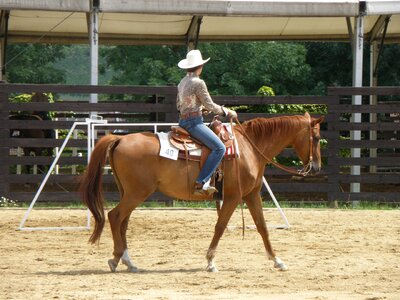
x=182, y=140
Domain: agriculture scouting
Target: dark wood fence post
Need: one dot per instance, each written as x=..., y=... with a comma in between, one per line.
x=172, y=116
x=332, y=153
x=4, y=150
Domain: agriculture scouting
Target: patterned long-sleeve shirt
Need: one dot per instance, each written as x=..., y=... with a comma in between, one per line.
x=193, y=96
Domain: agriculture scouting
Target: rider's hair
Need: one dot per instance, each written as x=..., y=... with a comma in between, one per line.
x=191, y=70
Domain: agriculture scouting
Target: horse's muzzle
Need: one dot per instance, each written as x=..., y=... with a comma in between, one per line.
x=315, y=167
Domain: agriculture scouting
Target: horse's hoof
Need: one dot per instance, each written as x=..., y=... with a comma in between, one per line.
x=279, y=264
x=112, y=264
x=132, y=269
x=212, y=269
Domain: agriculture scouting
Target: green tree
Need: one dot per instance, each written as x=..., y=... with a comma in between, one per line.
x=144, y=65
x=389, y=66
x=34, y=63
x=332, y=65
x=242, y=68
x=239, y=68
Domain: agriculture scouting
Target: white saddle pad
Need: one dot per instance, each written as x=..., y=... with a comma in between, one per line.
x=168, y=150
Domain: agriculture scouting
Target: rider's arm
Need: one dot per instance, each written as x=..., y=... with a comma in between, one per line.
x=204, y=97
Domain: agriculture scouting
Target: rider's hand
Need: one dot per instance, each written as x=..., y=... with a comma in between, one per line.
x=229, y=113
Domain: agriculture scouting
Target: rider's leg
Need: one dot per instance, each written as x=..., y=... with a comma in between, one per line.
x=204, y=134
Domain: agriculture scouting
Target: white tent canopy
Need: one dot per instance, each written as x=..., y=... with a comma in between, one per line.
x=175, y=21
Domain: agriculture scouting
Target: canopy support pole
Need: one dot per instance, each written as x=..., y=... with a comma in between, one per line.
x=358, y=44
x=94, y=49
x=192, y=35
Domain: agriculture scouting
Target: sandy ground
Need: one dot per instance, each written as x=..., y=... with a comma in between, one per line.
x=331, y=254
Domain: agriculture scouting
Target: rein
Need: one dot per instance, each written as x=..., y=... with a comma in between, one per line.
x=306, y=169
x=238, y=179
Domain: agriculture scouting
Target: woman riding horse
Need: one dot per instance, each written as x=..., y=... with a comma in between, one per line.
x=139, y=171
x=192, y=97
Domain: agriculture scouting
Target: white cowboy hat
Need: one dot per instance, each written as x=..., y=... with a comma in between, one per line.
x=193, y=59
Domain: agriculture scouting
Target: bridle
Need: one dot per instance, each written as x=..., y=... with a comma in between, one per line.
x=304, y=171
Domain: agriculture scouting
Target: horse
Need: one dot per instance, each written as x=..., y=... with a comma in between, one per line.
x=139, y=171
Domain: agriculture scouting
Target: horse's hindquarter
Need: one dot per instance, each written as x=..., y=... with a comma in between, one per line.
x=133, y=160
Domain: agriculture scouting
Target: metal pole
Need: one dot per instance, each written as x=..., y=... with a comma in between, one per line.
x=358, y=45
x=94, y=52
x=35, y=198
x=373, y=98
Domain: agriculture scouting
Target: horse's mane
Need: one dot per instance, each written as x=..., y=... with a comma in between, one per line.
x=269, y=126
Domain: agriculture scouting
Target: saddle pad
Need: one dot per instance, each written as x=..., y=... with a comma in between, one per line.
x=167, y=150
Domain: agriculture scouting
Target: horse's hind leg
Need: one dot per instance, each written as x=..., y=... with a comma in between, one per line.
x=224, y=216
x=126, y=260
x=118, y=218
x=254, y=203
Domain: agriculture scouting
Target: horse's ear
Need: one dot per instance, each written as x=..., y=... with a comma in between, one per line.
x=317, y=121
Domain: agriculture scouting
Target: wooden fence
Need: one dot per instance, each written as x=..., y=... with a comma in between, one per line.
x=380, y=156
x=157, y=104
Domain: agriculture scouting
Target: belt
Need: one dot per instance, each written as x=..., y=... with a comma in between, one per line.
x=190, y=115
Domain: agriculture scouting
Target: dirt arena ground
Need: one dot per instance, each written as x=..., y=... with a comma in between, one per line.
x=331, y=254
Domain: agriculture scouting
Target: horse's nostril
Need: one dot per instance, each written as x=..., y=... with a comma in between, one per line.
x=316, y=168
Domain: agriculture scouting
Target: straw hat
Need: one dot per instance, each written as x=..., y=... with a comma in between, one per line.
x=193, y=59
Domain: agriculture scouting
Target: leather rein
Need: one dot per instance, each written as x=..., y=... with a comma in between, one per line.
x=303, y=172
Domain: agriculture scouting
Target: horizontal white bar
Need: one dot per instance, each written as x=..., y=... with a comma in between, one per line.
x=53, y=228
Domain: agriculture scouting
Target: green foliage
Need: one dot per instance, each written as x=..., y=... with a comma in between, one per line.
x=34, y=63
x=265, y=91
x=26, y=98
x=238, y=69
x=281, y=108
x=76, y=64
x=289, y=108
x=144, y=65
x=234, y=69
x=241, y=68
x=332, y=63
x=21, y=98
x=344, y=152
x=389, y=66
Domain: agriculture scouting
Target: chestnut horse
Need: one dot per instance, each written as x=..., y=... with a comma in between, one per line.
x=139, y=171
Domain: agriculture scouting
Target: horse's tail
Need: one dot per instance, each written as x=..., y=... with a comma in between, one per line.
x=91, y=184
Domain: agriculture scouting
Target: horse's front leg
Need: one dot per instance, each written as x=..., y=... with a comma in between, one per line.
x=254, y=203
x=224, y=216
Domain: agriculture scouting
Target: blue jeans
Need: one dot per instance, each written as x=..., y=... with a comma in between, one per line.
x=202, y=133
